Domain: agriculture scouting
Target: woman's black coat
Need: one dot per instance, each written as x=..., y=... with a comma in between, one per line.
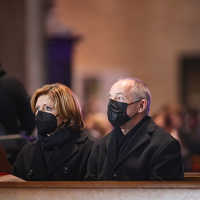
x=65, y=161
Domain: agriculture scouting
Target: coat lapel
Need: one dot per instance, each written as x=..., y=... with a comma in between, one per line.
x=139, y=138
x=38, y=164
x=111, y=152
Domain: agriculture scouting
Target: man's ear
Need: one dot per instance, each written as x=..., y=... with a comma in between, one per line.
x=142, y=105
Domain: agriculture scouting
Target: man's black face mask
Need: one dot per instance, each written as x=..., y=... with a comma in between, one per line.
x=117, y=113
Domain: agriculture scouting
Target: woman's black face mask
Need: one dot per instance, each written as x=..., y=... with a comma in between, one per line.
x=117, y=113
x=46, y=123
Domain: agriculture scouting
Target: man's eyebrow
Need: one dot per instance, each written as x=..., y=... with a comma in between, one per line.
x=122, y=94
x=111, y=94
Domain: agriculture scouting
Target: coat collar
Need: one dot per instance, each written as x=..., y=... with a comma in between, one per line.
x=66, y=152
x=139, y=138
x=60, y=155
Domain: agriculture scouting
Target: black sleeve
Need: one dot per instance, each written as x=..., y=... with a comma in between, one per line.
x=23, y=161
x=86, y=150
x=166, y=163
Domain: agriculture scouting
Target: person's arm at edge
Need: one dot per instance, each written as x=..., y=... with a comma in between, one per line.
x=167, y=163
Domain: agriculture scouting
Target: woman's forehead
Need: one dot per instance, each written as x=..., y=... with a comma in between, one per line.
x=44, y=99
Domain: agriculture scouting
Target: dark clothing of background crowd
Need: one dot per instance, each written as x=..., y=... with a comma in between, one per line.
x=184, y=125
x=16, y=118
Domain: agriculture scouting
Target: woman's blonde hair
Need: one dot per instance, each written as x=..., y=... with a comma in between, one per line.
x=65, y=102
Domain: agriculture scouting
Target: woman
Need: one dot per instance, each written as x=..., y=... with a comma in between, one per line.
x=62, y=149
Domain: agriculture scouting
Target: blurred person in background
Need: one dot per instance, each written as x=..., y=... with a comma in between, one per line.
x=190, y=135
x=136, y=148
x=97, y=124
x=170, y=117
x=62, y=149
x=16, y=116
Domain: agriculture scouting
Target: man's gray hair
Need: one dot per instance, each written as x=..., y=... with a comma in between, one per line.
x=139, y=90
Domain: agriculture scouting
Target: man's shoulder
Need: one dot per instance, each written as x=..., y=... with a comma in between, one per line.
x=159, y=136
x=104, y=140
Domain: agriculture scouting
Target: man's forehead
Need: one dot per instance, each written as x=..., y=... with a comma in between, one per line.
x=120, y=88
x=121, y=92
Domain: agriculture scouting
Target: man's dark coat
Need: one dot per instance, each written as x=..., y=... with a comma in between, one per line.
x=149, y=154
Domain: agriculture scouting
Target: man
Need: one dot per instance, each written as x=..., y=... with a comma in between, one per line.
x=136, y=149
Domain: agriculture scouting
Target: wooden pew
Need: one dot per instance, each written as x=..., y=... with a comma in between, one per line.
x=104, y=190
